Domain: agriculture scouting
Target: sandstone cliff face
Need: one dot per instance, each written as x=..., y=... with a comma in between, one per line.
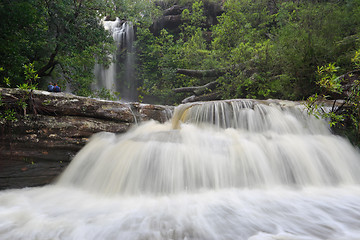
x=171, y=18
x=36, y=147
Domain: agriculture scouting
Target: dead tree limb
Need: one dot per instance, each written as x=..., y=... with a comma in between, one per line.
x=199, y=89
x=202, y=73
x=217, y=72
x=205, y=97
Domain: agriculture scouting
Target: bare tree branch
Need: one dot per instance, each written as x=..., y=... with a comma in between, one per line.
x=202, y=73
x=197, y=90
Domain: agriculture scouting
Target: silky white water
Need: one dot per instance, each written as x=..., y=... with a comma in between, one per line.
x=119, y=76
x=219, y=170
x=106, y=76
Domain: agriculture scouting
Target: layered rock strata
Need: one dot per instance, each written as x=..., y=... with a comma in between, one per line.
x=39, y=144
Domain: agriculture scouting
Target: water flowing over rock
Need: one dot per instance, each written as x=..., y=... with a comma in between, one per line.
x=217, y=145
x=119, y=76
x=237, y=169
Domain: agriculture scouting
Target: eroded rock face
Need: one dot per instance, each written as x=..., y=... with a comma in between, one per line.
x=171, y=18
x=36, y=148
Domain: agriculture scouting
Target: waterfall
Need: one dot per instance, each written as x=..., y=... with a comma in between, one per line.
x=119, y=76
x=258, y=146
x=237, y=169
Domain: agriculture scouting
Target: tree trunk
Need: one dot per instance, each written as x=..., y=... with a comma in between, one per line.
x=198, y=90
x=50, y=64
x=202, y=73
x=216, y=72
x=205, y=97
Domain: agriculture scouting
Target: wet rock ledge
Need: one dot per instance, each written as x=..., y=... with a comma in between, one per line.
x=53, y=127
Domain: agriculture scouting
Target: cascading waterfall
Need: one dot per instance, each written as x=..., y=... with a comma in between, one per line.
x=239, y=169
x=119, y=76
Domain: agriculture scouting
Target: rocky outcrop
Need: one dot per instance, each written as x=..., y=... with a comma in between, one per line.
x=171, y=18
x=53, y=127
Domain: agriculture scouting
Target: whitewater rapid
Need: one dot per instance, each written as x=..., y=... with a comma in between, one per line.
x=54, y=212
x=219, y=170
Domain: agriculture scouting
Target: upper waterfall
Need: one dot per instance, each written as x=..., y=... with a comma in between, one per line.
x=119, y=76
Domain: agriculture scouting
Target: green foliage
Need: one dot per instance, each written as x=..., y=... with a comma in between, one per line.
x=348, y=114
x=23, y=34
x=140, y=11
x=160, y=56
x=269, y=49
x=308, y=35
x=22, y=104
x=317, y=108
x=140, y=98
x=356, y=60
x=328, y=78
x=31, y=78
x=30, y=73
x=9, y=115
x=104, y=93
x=243, y=22
x=5, y=81
x=26, y=86
x=51, y=38
x=193, y=21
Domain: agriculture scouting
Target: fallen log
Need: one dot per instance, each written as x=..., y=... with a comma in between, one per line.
x=205, y=97
x=202, y=73
x=198, y=90
x=216, y=72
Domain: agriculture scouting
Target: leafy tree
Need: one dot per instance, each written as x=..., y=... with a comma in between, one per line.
x=60, y=37
x=343, y=117
x=241, y=43
x=269, y=49
x=161, y=55
x=309, y=35
x=272, y=51
x=23, y=33
x=140, y=12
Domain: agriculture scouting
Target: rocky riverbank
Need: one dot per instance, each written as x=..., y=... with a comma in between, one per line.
x=53, y=127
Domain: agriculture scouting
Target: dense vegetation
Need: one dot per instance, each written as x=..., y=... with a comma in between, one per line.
x=256, y=49
x=269, y=49
x=62, y=39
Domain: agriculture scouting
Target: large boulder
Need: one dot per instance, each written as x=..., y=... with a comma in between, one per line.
x=171, y=18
